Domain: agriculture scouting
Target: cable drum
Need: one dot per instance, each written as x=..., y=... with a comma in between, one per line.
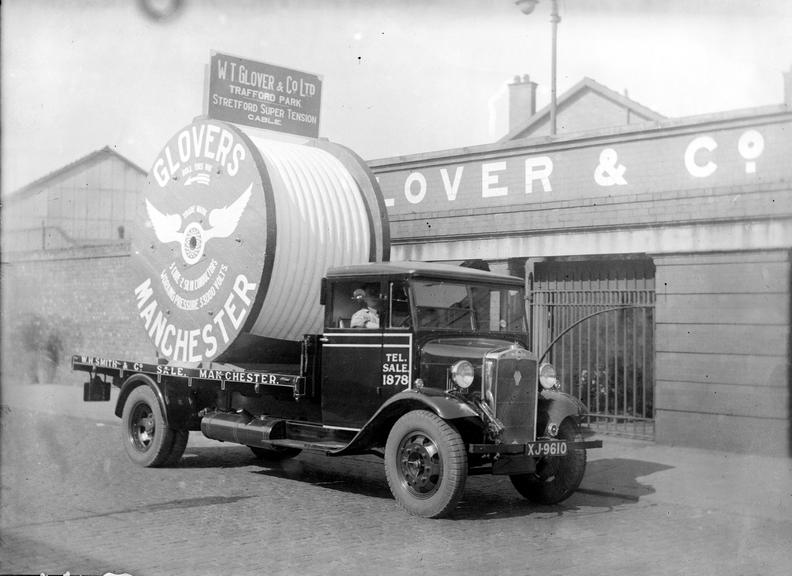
x=235, y=233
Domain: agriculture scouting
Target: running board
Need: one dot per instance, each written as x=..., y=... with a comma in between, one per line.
x=261, y=432
x=327, y=446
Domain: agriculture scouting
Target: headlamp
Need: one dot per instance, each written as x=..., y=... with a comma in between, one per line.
x=547, y=376
x=462, y=374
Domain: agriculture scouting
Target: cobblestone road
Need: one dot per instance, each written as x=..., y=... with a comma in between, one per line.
x=71, y=501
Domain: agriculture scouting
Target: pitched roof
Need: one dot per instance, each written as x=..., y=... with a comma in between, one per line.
x=83, y=162
x=575, y=92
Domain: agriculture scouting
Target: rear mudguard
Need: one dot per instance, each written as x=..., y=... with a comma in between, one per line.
x=175, y=406
x=375, y=431
x=556, y=406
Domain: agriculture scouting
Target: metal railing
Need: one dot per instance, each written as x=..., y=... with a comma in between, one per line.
x=601, y=342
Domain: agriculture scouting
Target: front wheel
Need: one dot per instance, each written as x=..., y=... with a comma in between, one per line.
x=425, y=464
x=555, y=478
x=147, y=440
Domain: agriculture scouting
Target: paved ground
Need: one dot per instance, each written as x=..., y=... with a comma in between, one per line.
x=71, y=501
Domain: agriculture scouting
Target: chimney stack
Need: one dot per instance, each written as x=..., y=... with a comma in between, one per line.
x=522, y=101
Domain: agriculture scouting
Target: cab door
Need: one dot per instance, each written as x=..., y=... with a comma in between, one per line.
x=351, y=377
x=352, y=358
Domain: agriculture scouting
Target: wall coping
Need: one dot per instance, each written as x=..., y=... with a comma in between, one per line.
x=110, y=250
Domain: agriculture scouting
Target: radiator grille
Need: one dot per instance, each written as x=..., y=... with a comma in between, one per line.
x=515, y=393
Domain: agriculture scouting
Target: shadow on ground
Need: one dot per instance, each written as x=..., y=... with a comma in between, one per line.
x=608, y=484
x=363, y=475
x=618, y=478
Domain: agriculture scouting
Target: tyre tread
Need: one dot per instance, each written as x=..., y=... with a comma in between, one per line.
x=169, y=443
x=454, y=473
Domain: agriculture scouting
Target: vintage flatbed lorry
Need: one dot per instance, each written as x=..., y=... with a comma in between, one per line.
x=260, y=274
x=444, y=387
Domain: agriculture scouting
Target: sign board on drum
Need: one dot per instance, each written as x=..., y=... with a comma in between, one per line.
x=264, y=96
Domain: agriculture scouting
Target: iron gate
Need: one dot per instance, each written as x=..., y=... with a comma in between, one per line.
x=595, y=319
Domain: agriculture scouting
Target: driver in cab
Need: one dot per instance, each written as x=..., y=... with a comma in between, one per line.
x=367, y=316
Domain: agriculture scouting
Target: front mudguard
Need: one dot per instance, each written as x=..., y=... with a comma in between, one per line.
x=555, y=407
x=375, y=432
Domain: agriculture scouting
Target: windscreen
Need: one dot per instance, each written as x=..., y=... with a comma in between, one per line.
x=468, y=307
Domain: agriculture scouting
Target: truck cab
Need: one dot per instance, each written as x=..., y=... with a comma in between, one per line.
x=430, y=318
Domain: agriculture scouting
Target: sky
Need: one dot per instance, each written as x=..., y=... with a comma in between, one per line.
x=398, y=76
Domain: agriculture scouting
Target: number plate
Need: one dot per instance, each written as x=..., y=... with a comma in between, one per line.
x=550, y=448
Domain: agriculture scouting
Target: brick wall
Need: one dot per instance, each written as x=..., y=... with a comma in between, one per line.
x=596, y=214
x=64, y=302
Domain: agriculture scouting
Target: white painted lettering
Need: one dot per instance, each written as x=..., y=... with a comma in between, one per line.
x=157, y=328
x=609, y=172
x=160, y=172
x=221, y=69
x=224, y=147
x=211, y=131
x=700, y=170
x=148, y=313
x=230, y=309
x=218, y=319
x=198, y=136
x=750, y=146
x=452, y=190
x=194, y=335
x=488, y=180
x=183, y=144
x=539, y=168
x=144, y=292
x=209, y=340
x=242, y=287
x=167, y=349
x=237, y=155
x=172, y=167
x=415, y=198
x=182, y=344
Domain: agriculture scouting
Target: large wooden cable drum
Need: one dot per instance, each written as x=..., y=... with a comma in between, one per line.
x=235, y=234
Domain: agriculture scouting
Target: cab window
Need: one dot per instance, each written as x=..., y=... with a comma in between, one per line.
x=444, y=305
x=400, y=314
x=355, y=304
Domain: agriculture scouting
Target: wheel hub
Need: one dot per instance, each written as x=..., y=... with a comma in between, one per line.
x=142, y=427
x=420, y=465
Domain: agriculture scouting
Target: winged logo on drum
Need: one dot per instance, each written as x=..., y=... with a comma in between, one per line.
x=222, y=221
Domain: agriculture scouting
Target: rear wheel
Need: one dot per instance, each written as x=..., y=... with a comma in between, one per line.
x=425, y=464
x=147, y=440
x=274, y=453
x=555, y=478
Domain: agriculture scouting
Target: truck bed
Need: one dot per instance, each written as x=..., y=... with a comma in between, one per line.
x=287, y=375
